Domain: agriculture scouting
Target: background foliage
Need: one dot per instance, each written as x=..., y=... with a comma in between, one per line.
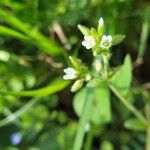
x=36, y=38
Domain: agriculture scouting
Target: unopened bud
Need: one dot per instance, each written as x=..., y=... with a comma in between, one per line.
x=101, y=26
x=77, y=85
x=101, y=22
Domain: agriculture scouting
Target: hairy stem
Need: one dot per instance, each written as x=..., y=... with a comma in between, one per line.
x=128, y=105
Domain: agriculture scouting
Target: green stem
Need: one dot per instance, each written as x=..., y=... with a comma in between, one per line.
x=128, y=105
x=148, y=139
x=84, y=119
x=89, y=139
x=106, y=64
x=147, y=111
x=143, y=39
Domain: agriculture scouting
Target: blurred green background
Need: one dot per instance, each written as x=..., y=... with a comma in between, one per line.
x=36, y=38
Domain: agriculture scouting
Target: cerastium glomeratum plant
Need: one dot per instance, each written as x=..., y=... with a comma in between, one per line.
x=92, y=102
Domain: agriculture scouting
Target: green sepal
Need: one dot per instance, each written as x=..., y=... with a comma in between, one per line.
x=79, y=66
x=75, y=62
x=95, y=34
x=84, y=30
x=117, y=39
x=101, y=30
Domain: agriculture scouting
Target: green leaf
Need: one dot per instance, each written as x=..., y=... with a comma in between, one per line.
x=12, y=4
x=117, y=39
x=84, y=118
x=84, y=30
x=55, y=86
x=10, y=32
x=135, y=124
x=100, y=111
x=123, y=77
x=44, y=43
x=78, y=101
x=14, y=22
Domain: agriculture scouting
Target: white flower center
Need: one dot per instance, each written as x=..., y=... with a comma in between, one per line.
x=70, y=74
x=88, y=42
x=106, y=41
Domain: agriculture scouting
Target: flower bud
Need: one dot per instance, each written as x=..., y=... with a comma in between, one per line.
x=77, y=85
x=101, y=22
x=100, y=26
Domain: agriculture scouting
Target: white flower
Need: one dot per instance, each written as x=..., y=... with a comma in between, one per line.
x=101, y=22
x=88, y=42
x=70, y=74
x=106, y=41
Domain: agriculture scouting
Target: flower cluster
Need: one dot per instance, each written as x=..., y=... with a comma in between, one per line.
x=78, y=72
x=96, y=40
x=99, y=43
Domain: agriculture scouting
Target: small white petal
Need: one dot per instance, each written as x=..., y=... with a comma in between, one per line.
x=65, y=77
x=69, y=69
x=106, y=41
x=86, y=38
x=84, y=43
x=101, y=22
x=70, y=74
x=88, y=42
x=104, y=37
x=66, y=70
x=110, y=38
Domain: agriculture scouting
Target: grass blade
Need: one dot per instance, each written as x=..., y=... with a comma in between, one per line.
x=12, y=117
x=52, y=88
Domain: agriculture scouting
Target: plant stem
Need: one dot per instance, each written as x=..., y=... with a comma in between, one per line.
x=143, y=39
x=147, y=111
x=88, y=143
x=106, y=64
x=128, y=105
x=148, y=139
x=84, y=119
